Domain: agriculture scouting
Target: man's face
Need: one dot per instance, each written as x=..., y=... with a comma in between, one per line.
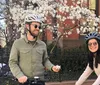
x=34, y=28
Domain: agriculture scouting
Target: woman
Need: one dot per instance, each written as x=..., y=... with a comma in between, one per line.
x=93, y=47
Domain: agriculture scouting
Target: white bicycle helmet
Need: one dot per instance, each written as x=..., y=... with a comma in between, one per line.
x=32, y=18
x=92, y=35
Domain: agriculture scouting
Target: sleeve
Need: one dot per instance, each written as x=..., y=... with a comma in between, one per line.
x=13, y=62
x=84, y=76
x=97, y=82
x=47, y=62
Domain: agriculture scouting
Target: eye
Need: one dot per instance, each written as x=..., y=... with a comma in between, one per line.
x=36, y=26
x=94, y=44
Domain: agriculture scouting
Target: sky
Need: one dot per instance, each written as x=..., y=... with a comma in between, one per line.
x=2, y=24
x=2, y=21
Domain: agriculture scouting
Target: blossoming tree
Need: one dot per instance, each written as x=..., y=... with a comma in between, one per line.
x=82, y=19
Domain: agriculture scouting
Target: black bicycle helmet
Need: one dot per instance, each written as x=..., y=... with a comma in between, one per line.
x=92, y=35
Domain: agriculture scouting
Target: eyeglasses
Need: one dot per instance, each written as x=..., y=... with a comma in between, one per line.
x=94, y=44
x=36, y=26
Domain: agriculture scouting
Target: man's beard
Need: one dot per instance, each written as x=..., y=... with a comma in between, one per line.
x=33, y=34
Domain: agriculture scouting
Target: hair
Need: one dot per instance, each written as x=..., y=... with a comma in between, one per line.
x=91, y=55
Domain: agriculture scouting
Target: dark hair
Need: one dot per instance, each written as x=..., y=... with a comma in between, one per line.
x=91, y=55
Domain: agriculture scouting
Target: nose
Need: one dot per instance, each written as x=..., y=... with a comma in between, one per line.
x=37, y=29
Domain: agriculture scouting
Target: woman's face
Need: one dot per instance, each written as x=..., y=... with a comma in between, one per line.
x=93, y=45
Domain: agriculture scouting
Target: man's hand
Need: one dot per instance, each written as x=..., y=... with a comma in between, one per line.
x=22, y=79
x=56, y=68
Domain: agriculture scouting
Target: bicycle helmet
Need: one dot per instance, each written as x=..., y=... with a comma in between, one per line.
x=92, y=35
x=32, y=18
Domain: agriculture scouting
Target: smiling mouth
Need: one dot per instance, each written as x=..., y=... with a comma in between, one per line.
x=93, y=48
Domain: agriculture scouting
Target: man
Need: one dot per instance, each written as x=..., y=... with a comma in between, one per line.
x=28, y=56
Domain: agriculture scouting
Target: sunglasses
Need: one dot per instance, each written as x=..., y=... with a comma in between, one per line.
x=36, y=26
x=94, y=44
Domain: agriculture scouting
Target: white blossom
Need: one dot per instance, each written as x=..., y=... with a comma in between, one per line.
x=48, y=6
x=69, y=33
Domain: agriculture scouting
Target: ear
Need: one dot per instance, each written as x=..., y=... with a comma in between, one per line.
x=27, y=26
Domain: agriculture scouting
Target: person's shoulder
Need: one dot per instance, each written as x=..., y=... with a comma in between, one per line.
x=41, y=42
x=18, y=40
